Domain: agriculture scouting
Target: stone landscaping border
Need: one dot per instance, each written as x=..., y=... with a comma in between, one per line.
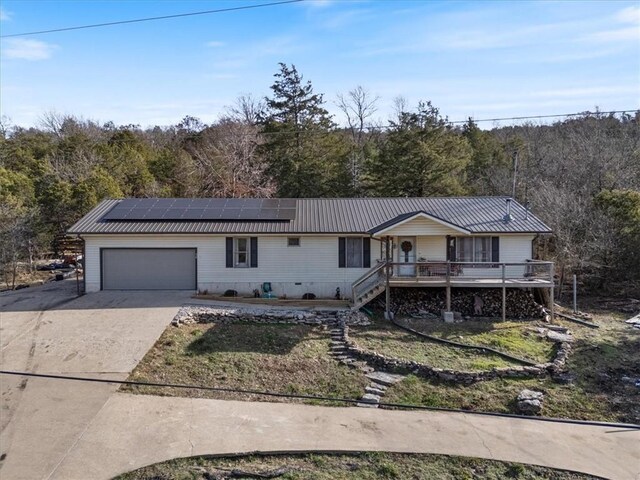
x=342, y=319
x=396, y=365
x=256, y=314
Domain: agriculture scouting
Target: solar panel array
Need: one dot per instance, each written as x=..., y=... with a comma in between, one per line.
x=202, y=209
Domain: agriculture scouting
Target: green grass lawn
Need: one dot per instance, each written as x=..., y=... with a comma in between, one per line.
x=514, y=338
x=599, y=361
x=273, y=357
x=365, y=466
x=387, y=339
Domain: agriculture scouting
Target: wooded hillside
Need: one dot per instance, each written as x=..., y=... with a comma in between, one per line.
x=580, y=175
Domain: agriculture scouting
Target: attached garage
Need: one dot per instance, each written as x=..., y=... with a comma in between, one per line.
x=149, y=268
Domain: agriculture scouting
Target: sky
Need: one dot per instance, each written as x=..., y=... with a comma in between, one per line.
x=470, y=59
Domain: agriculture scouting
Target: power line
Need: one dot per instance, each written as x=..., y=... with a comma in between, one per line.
x=386, y=128
x=151, y=19
x=310, y=397
x=544, y=116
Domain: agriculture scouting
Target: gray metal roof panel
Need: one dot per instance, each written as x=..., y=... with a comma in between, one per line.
x=336, y=215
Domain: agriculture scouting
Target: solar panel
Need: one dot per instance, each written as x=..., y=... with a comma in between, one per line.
x=287, y=203
x=202, y=209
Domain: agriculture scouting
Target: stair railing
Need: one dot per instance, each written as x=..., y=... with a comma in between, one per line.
x=369, y=280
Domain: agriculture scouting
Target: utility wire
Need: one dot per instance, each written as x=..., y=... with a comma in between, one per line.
x=151, y=19
x=311, y=397
x=544, y=116
x=386, y=128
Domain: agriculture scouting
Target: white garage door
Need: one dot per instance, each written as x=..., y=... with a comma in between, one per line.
x=148, y=268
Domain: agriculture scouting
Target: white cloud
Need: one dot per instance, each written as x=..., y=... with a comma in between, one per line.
x=215, y=44
x=27, y=49
x=4, y=15
x=628, y=15
x=617, y=35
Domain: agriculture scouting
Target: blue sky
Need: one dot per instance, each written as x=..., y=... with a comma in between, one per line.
x=480, y=59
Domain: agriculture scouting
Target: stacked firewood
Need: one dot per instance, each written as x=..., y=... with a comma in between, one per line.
x=425, y=301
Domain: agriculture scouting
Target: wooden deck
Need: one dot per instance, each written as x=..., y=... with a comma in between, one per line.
x=468, y=282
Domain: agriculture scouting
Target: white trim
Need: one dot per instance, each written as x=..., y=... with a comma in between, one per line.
x=428, y=217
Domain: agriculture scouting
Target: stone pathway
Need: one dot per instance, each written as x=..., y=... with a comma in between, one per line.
x=379, y=380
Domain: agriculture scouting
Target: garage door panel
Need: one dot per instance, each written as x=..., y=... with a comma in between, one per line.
x=149, y=269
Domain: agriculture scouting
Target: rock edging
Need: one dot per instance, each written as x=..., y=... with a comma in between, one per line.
x=396, y=365
x=229, y=314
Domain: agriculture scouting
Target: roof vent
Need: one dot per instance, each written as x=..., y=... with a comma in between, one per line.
x=507, y=216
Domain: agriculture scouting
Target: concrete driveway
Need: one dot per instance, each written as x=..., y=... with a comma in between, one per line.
x=47, y=330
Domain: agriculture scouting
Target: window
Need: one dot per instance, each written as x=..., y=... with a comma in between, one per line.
x=293, y=242
x=241, y=252
x=354, y=252
x=474, y=249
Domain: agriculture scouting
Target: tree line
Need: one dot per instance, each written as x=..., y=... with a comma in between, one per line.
x=581, y=175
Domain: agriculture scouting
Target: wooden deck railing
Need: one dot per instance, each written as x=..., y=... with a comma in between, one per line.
x=482, y=272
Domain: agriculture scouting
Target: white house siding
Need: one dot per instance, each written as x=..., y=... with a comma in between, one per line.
x=515, y=249
x=431, y=248
x=420, y=226
x=313, y=265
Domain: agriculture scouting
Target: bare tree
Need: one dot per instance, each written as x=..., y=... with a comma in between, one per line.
x=246, y=109
x=358, y=107
x=227, y=161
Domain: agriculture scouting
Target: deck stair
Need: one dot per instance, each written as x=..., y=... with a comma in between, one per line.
x=369, y=286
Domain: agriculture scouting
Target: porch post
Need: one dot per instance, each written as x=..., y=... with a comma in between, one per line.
x=448, y=285
x=387, y=312
x=504, y=295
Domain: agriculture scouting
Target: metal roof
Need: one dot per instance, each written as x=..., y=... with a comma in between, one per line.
x=337, y=215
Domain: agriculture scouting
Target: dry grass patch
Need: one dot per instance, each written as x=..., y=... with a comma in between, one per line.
x=282, y=358
x=365, y=466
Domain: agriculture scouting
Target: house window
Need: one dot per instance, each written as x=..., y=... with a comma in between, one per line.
x=474, y=249
x=354, y=252
x=241, y=252
x=293, y=242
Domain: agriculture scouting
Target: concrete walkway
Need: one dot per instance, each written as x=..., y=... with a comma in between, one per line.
x=132, y=431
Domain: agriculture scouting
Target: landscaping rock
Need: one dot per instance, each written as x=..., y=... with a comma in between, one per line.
x=257, y=314
x=384, y=378
x=559, y=337
x=374, y=391
x=370, y=398
x=529, y=402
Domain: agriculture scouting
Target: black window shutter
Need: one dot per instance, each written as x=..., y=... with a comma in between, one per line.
x=451, y=248
x=495, y=249
x=342, y=252
x=254, y=252
x=229, y=252
x=366, y=252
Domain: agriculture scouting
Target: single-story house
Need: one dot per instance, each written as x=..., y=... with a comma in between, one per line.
x=310, y=245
